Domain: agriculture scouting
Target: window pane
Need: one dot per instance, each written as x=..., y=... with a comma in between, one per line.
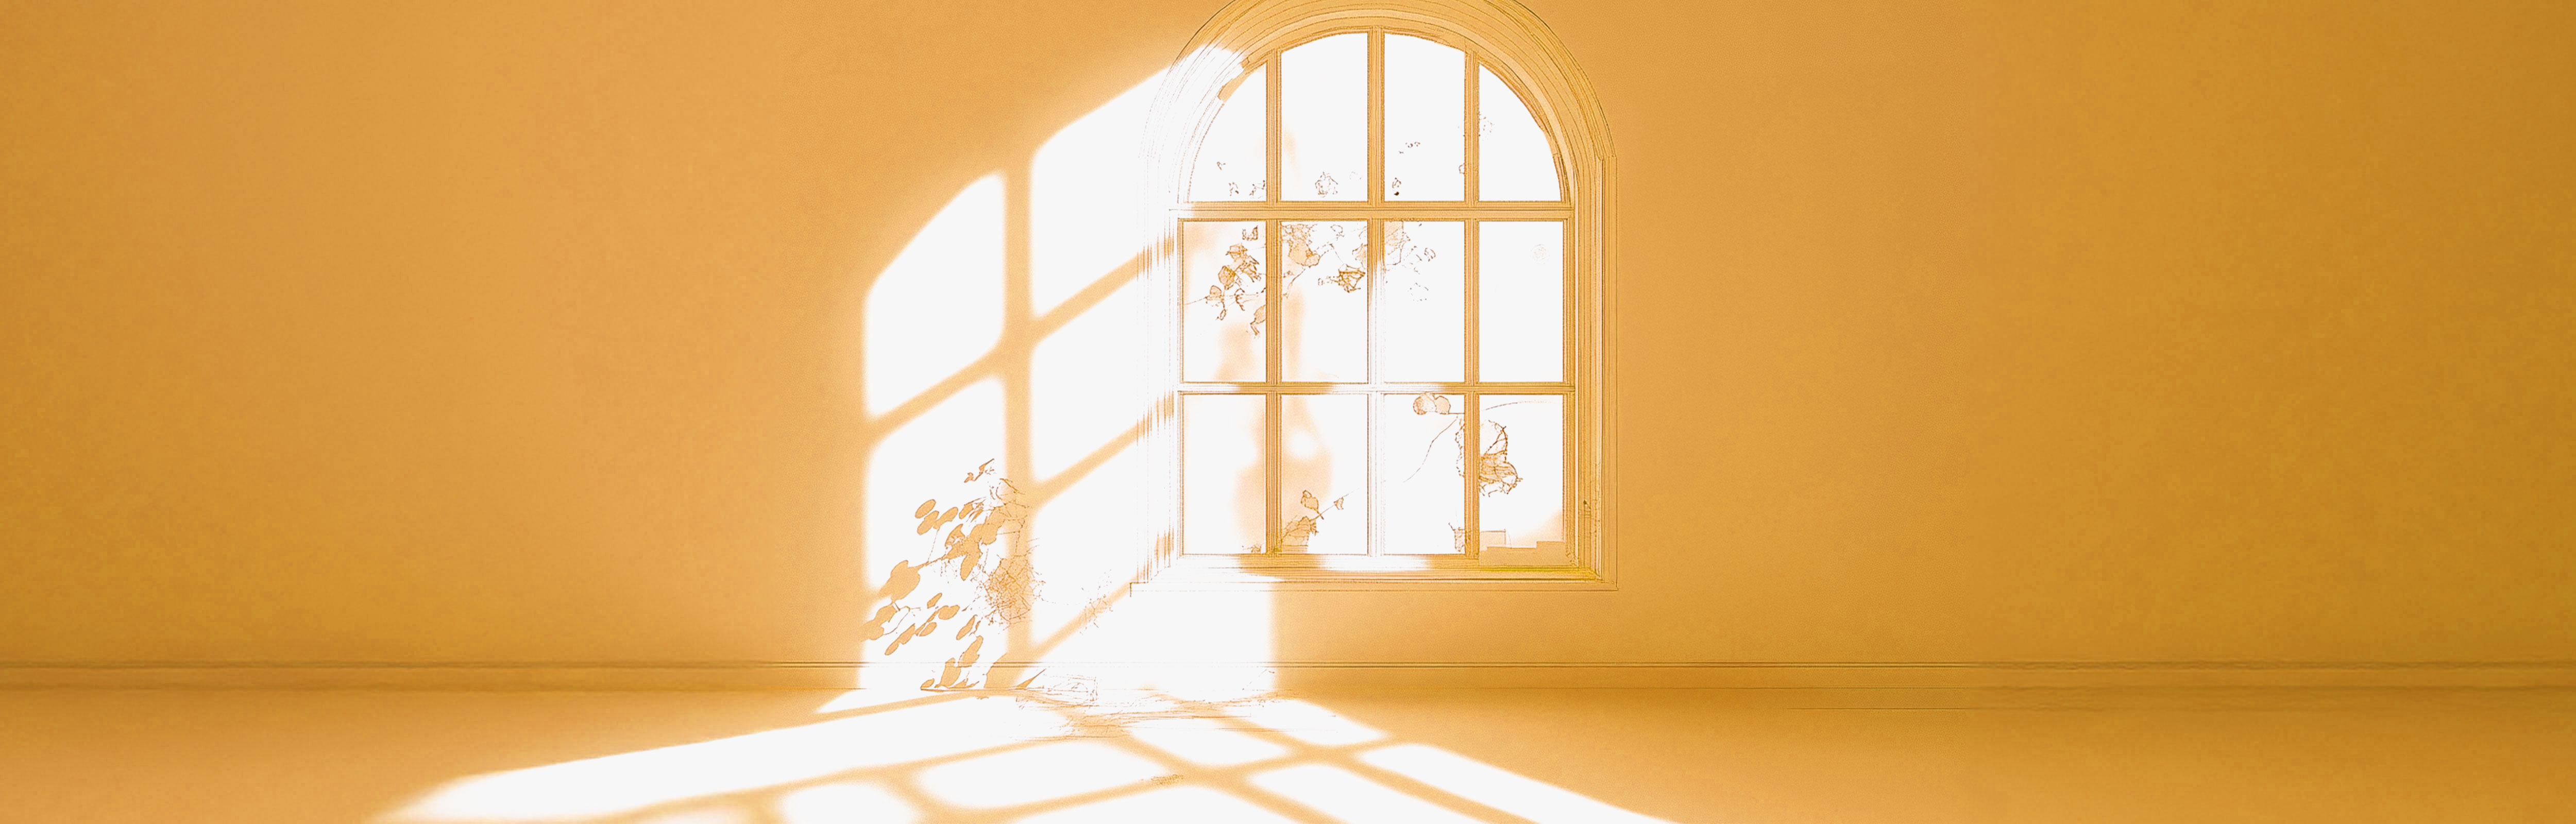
x=1222, y=483
x=1222, y=301
x=1422, y=301
x=1323, y=119
x=1323, y=474
x=1521, y=476
x=1421, y=491
x=1512, y=157
x=1231, y=165
x=1426, y=102
x=1520, y=301
x=1324, y=286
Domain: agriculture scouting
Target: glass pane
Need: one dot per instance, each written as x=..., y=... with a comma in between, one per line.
x=1231, y=165
x=1323, y=474
x=1512, y=157
x=1426, y=101
x=1221, y=478
x=1520, y=290
x=1222, y=301
x=1421, y=493
x=1323, y=119
x=1521, y=474
x=1323, y=283
x=1422, y=301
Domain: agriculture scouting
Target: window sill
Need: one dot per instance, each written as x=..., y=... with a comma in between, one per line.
x=1360, y=572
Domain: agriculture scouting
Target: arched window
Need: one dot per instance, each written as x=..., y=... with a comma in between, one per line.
x=1382, y=270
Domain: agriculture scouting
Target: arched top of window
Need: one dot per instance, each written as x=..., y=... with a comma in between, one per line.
x=1537, y=133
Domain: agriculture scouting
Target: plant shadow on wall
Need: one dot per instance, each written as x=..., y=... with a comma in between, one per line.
x=981, y=579
x=1008, y=338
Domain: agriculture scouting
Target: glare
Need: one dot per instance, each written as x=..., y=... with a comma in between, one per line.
x=1190, y=644
x=1495, y=787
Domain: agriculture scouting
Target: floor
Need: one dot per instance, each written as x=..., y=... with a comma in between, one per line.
x=1751, y=756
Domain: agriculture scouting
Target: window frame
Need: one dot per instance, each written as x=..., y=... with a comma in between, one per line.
x=1494, y=35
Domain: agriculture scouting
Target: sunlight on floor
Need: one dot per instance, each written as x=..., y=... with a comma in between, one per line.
x=1024, y=757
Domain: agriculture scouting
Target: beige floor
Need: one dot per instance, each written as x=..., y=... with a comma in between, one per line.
x=1766, y=757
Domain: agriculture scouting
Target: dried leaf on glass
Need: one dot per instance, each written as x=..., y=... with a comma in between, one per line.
x=1299, y=533
x=1495, y=473
x=1238, y=282
x=1336, y=250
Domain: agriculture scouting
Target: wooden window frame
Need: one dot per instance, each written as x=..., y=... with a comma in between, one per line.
x=1495, y=35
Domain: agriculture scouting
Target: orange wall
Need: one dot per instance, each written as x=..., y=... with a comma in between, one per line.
x=2028, y=331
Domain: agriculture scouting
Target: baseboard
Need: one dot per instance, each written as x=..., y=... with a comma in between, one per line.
x=841, y=675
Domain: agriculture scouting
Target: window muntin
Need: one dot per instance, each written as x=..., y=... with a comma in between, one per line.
x=1411, y=398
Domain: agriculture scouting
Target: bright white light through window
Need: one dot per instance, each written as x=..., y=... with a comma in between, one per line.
x=1374, y=332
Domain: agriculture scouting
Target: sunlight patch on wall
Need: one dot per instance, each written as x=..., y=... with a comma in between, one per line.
x=938, y=306
x=928, y=458
x=1089, y=208
x=1084, y=542
x=1090, y=383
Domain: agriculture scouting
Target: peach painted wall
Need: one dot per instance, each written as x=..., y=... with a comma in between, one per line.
x=1946, y=332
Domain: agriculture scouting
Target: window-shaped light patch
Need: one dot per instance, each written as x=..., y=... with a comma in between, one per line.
x=1342, y=795
x=1324, y=291
x=1422, y=300
x=1323, y=474
x=1027, y=775
x=1223, y=302
x=938, y=307
x=1323, y=119
x=1175, y=804
x=1204, y=741
x=1521, y=478
x=1222, y=482
x=1426, y=99
x=1512, y=154
x=1496, y=787
x=845, y=801
x=1232, y=164
x=1421, y=492
x=1521, y=301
